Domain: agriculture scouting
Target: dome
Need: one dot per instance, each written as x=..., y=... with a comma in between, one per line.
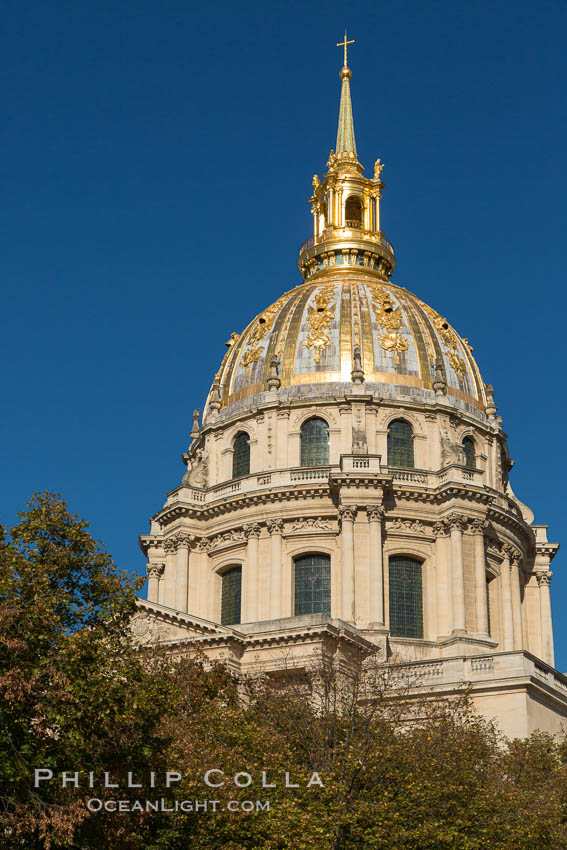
x=314, y=329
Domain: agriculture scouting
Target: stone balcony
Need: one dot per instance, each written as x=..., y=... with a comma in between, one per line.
x=349, y=465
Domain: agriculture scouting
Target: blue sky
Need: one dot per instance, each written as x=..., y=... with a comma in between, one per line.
x=156, y=160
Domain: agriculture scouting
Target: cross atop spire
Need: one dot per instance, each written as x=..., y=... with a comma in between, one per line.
x=344, y=44
x=345, y=133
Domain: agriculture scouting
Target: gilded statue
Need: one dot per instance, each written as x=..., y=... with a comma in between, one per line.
x=378, y=166
x=316, y=182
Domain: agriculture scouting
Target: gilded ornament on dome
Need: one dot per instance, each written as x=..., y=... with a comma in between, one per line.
x=459, y=365
x=393, y=341
x=390, y=320
x=450, y=338
x=262, y=326
x=319, y=318
x=250, y=356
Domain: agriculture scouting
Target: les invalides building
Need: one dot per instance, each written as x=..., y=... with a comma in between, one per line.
x=347, y=490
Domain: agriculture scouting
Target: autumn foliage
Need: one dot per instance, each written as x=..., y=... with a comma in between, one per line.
x=76, y=695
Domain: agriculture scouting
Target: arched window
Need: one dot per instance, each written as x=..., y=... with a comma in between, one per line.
x=406, y=597
x=468, y=448
x=400, y=444
x=231, y=593
x=313, y=585
x=353, y=212
x=241, y=455
x=315, y=443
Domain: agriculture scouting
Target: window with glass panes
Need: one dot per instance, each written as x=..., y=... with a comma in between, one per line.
x=314, y=443
x=313, y=585
x=406, y=597
x=400, y=444
x=231, y=595
x=241, y=455
x=468, y=447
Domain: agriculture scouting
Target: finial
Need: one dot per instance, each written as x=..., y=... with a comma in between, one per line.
x=357, y=374
x=344, y=44
x=439, y=384
x=274, y=381
x=490, y=406
x=195, y=430
x=215, y=402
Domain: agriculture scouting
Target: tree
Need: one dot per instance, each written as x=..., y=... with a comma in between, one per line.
x=396, y=771
x=75, y=695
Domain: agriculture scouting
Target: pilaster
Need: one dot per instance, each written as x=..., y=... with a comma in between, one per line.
x=375, y=515
x=250, y=606
x=347, y=515
x=275, y=529
x=457, y=523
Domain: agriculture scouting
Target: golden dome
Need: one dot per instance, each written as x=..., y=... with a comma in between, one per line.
x=313, y=331
x=347, y=323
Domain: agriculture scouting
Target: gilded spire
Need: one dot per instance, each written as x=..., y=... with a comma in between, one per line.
x=345, y=133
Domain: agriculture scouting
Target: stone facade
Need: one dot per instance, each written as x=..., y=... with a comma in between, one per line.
x=350, y=348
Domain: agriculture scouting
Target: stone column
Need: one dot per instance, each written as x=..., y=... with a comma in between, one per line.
x=167, y=588
x=154, y=572
x=199, y=579
x=347, y=514
x=252, y=533
x=480, y=588
x=516, y=595
x=443, y=581
x=457, y=523
x=543, y=580
x=275, y=527
x=182, y=571
x=375, y=566
x=506, y=590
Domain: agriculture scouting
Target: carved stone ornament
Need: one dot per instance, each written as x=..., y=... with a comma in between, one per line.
x=440, y=529
x=374, y=513
x=516, y=557
x=141, y=627
x=412, y=526
x=184, y=540
x=252, y=529
x=203, y=545
x=347, y=512
x=146, y=630
x=477, y=525
x=233, y=536
x=155, y=570
x=456, y=520
x=179, y=540
x=275, y=526
x=303, y=523
x=543, y=578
